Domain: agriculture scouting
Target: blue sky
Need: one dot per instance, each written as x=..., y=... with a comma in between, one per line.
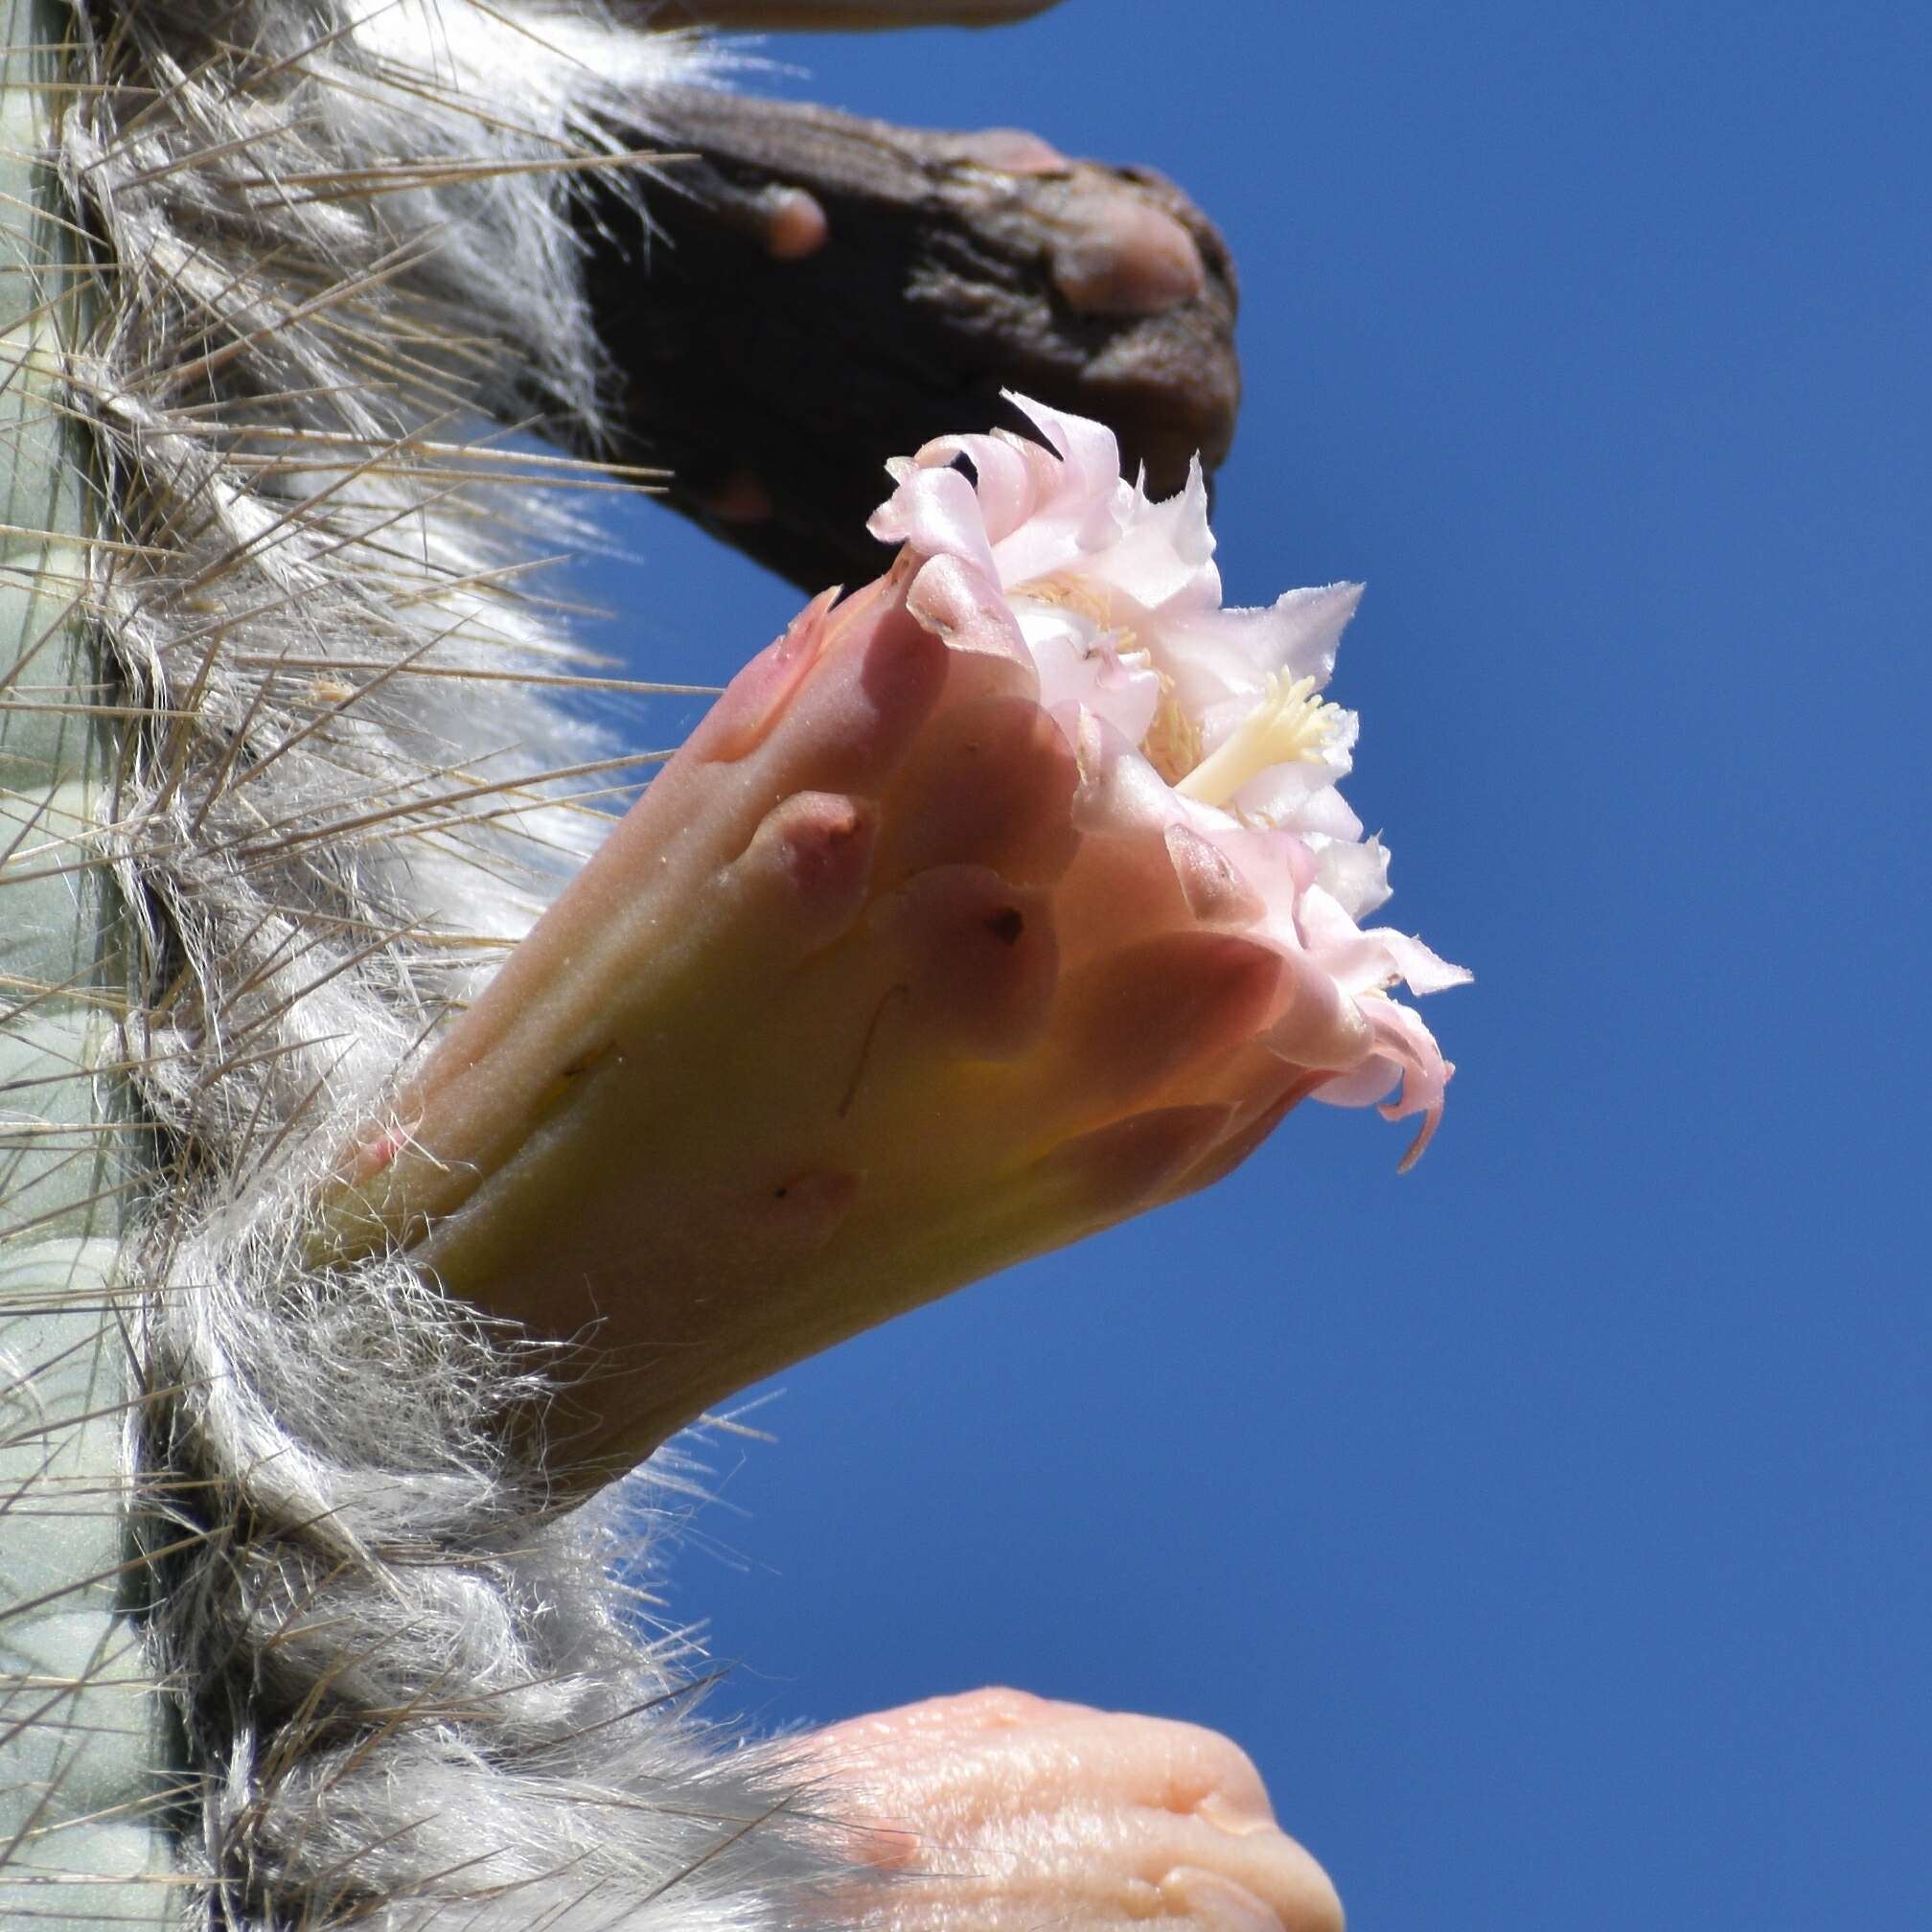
x=1551, y=1525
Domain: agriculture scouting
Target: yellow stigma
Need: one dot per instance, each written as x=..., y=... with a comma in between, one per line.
x=1289, y=722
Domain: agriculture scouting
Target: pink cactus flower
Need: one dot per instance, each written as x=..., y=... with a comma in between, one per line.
x=1005, y=899
x=1197, y=722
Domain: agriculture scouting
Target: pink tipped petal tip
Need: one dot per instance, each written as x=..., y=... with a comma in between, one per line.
x=737, y=724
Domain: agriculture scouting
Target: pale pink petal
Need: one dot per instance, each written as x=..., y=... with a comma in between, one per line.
x=1357, y=962
x=1162, y=557
x=1361, y=1086
x=1355, y=876
x=1216, y=654
x=1075, y=671
x=938, y=513
x=1300, y=796
x=1423, y=970
x=1087, y=450
x=1008, y=480
x=1425, y=1073
x=1321, y=1027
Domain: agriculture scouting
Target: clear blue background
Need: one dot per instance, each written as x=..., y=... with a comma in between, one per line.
x=1551, y=1525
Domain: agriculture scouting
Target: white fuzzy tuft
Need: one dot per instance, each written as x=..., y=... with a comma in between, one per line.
x=335, y=257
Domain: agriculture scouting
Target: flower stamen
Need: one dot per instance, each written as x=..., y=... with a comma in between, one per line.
x=1063, y=590
x=1172, y=744
x=1289, y=723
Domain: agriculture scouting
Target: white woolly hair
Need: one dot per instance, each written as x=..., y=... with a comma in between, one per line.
x=336, y=258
